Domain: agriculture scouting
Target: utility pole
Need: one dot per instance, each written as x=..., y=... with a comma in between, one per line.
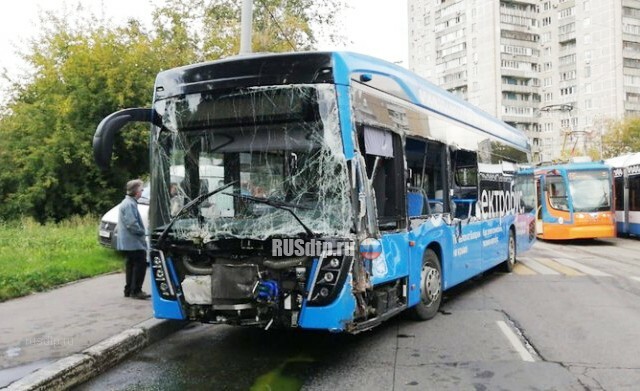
x=246, y=21
x=569, y=131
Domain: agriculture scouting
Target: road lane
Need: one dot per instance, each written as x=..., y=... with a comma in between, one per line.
x=580, y=328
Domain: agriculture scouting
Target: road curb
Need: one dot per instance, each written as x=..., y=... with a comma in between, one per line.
x=78, y=368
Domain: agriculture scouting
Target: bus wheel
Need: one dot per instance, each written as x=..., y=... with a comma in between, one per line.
x=510, y=262
x=430, y=287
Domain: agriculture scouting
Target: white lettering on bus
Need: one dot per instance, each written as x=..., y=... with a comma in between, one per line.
x=499, y=203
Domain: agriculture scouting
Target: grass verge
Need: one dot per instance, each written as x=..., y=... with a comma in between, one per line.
x=35, y=257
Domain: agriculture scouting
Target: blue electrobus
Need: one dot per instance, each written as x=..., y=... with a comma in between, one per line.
x=626, y=172
x=350, y=190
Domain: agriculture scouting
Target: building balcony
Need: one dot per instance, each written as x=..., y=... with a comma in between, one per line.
x=527, y=104
x=520, y=88
x=567, y=37
x=530, y=2
x=520, y=57
x=631, y=3
x=454, y=84
x=518, y=27
x=519, y=42
x=567, y=67
x=631, y=71
x=635, y=106
x=630, y=37
x=519, y=73
x=629, y=53
x=632, y=89
x=517, y=119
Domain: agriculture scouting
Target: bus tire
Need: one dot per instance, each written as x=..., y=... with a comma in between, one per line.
x=430, y=287
x=510, y=262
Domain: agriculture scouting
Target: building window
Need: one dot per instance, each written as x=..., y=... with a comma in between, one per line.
x=631, y=29
x=569, y=75
x=566, y=13
x=569, y=59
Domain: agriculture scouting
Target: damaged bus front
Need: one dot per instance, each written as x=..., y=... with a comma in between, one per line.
x=251, y=212
x=233, y=240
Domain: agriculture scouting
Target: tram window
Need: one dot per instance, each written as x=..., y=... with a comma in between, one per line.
x=557, y=193
x=619, y=188
x=634, y=193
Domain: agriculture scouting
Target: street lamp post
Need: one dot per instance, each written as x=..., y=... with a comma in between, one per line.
x=246, y=26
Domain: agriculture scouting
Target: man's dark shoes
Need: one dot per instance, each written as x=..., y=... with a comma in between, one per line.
x=140, y=295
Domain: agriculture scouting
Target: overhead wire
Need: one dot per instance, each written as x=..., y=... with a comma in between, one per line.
x=278, y=26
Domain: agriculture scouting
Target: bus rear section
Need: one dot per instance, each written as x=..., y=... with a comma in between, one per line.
x=576, y=201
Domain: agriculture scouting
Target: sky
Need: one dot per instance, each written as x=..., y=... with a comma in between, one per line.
x=374, y=27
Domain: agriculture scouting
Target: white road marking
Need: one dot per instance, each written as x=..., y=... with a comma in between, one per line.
x=538, y=267
x=578, y=266
x=636, y=278
x=515, y=341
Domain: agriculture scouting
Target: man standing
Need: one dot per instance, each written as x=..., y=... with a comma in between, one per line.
x=131, y=241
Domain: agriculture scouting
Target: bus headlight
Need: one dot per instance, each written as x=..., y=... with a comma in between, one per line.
x=160, y=275
x=328, y=279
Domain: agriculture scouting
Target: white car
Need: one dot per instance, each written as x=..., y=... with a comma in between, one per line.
x=107, y=232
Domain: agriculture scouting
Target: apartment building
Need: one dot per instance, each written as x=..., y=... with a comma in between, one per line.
x=557, y=69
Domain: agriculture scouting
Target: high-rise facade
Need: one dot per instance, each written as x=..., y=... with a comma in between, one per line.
x=557, y=69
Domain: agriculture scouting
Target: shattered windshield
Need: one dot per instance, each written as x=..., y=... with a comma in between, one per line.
x=590, y=190
x=277, y=149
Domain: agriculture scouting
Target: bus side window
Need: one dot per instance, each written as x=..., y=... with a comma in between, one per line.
x=465, y=183
x=424, y=162
x=385, y=168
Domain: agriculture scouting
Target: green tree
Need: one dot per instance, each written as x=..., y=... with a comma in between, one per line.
x=84, y=69
x=278, y=25
x=621, y=137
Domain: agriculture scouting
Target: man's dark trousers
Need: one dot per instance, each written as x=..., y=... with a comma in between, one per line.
x=135, y=270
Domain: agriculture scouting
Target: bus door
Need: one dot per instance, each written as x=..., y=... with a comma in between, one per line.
x=384, y=161
x=541, y=202
x=496, y=187
x=467, y=226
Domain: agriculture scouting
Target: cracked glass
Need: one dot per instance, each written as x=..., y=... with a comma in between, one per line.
x=274, y=154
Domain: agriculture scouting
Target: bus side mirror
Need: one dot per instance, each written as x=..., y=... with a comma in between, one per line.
x=110, y=125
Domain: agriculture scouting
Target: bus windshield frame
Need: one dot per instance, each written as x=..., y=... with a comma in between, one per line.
x=281, y=143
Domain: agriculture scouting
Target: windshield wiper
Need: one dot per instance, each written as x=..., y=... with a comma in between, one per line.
x=196, y=201
x=276, y=204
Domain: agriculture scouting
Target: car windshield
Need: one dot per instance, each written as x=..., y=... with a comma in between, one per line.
x=277, y=145
x=146, y=195
x=590, y=190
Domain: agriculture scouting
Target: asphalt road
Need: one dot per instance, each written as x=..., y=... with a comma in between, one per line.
x=567, y=318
